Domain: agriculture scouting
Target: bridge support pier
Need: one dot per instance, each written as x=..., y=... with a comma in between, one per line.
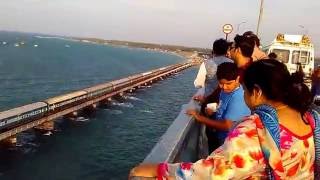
x=90, y=109
x=10, y=141
x=71, y=115
x=46, y=126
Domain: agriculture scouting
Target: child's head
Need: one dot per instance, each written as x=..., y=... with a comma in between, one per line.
x=228, y=77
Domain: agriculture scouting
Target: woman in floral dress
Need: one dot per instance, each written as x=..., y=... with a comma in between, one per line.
x=279, y=141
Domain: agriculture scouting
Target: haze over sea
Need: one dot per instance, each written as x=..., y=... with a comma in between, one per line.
x=116, y=137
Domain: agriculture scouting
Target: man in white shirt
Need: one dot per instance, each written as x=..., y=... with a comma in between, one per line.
x=206, y=78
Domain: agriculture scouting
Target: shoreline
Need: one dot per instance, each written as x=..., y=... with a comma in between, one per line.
x=186, y=53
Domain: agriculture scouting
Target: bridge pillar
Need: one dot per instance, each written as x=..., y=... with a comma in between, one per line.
x=95, y=105
x=71, y=115
x=46, y=126
x=90, y=109
x=10, y=141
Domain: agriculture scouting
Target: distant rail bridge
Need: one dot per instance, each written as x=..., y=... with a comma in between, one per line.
x=41, y=114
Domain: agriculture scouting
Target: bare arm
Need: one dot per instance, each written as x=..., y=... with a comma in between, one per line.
x=239, y=158
x=223, y=125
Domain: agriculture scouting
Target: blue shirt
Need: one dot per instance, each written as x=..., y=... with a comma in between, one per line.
x=231, y=107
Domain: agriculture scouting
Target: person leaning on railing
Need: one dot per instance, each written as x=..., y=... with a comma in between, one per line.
x=281, y=140
x=206, y=77
x=240, y=51
x=231, y=107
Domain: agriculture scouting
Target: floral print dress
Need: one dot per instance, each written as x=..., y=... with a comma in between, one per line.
x=249, y=152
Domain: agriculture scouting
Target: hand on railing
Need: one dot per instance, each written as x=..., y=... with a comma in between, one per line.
x=193, y=112
x=199, y=98
x=143, y=171
x=209, y=112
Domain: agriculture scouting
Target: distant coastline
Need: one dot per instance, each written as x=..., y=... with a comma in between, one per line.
x=189, y=53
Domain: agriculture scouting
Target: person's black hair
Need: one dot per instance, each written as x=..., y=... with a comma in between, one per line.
x=220, y=47
x=272, y=55
x=254, y=37
x=228, y=71
x=245, y=44
x=277, y=84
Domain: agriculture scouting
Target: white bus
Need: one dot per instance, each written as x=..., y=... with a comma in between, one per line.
x=294, y=50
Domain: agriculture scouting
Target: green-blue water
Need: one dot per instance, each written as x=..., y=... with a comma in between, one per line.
x=116, y=137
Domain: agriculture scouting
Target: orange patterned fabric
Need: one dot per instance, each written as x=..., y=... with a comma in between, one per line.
x=241, y=157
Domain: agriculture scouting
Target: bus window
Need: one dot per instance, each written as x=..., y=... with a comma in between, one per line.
x=300, y=57
x=282, y=54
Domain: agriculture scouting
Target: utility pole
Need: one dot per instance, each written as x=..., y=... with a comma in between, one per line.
x=260, y=17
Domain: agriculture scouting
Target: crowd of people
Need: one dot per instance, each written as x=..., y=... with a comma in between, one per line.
x=260, y=119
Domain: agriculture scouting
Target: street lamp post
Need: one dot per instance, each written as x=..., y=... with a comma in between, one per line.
x=260, y=16
x=238, y=25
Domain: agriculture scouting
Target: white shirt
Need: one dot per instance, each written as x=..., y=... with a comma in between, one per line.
x=201, y=76
x=199, y=82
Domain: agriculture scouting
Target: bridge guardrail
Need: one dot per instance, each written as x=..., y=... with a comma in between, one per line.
x=182, y=140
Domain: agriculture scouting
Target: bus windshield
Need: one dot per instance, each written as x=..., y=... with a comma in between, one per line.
x=300, y=57
x=282, y=54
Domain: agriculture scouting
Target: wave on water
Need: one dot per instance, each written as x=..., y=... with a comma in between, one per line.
x=81, y=119
x=146, y=111
x=113, y=111
x=145, y=86
x=132, y=98
x=48, y=133
x=53, y=37
x=127, y=105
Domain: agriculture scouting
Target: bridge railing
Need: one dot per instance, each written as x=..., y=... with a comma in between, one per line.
x=184, y=140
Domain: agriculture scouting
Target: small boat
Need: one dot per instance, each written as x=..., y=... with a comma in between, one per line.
x=36, y=45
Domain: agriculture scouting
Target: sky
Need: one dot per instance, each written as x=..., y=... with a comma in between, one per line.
x=195, y=23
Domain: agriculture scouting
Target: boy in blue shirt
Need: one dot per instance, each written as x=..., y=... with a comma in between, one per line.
x=231, y=107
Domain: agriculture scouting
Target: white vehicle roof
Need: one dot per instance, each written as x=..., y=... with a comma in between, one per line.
x=21, y=109
x=298, y=41
x=293, y=38
x=65, y=97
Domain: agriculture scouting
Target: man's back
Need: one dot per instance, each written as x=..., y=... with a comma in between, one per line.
x=211, y=66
